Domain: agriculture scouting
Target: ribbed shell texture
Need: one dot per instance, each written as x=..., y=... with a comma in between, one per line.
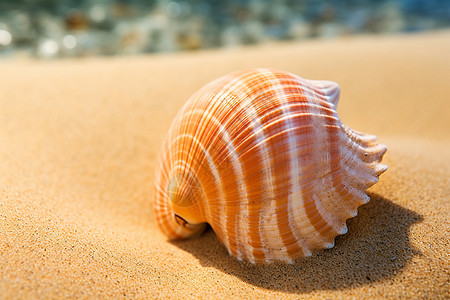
x=262, y=156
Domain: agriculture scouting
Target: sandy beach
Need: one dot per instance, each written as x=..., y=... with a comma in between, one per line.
x=79, y=141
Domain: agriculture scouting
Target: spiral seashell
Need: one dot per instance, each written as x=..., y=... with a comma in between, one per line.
x=262, y=157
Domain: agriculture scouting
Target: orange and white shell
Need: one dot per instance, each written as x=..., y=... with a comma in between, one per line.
x=262, y=157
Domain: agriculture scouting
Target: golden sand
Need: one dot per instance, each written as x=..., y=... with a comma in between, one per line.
x=78, y=146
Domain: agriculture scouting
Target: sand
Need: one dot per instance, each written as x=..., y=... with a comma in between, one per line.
x=78, y=146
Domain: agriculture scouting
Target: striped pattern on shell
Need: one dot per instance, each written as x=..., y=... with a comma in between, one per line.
x=262, y=156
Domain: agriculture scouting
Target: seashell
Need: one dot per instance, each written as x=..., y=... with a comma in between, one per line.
x=262, y=157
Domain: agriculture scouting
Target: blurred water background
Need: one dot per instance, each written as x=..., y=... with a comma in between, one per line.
x=77, y=28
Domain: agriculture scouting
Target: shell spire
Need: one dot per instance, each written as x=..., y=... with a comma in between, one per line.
x=262, y=157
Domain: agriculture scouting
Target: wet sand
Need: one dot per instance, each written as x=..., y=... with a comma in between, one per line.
x=78, y=146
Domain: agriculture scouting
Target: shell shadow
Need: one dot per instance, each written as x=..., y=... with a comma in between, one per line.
x=376, y=247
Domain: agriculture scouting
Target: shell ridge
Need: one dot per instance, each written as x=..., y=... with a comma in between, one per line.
x=175, y=226
x=223, y=135
x=273, y=242
x=237, y=169
x=268, y=113
x=239, y=221
x=279, y=93
x=333, y=222
x=212, y=167
x=278, y=122
x=297, y=240
x=249, y=108
x=199, y=129
x=318, y=222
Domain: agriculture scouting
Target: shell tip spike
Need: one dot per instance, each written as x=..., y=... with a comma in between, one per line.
x=343, y=230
